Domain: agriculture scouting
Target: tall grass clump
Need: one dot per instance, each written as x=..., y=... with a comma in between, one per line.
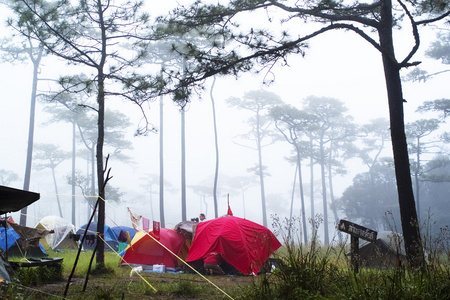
x=303, y=271
x=316, y=272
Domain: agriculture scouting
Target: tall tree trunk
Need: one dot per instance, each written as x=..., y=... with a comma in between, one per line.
x=161, y=161
x=216, y=174
x=330, y=184
x=100, y=175
x=311, y=172
x=56, y=191
x=183, y=166
x=101, y=182
x=293, y=192
x=324, y=192
x=416, y=180
x=73, y=170
x=311, y=186
x=408, y=213
x=26, y=184
x=93, y=181
x=261, y=172
x=302, y=198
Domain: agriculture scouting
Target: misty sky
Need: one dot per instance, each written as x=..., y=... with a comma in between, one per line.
x=337, y=64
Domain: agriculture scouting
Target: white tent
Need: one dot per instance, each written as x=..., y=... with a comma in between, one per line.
x=63, y=236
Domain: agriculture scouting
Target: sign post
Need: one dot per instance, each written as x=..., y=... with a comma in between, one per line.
x=357, y=232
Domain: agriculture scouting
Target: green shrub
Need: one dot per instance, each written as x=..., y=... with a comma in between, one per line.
x=39, y=275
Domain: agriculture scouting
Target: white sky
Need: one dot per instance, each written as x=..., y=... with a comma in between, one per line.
x=338, y=64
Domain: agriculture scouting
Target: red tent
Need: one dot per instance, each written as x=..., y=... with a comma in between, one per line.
x=243, y=244
x=144, y=250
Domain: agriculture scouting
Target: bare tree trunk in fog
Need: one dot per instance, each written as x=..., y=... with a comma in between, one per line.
x=302, y=197
x=293, y=192
x=324, y=192
x=73, y=170
x=216, y=174
x=183, y=165
x=311, y=169
x=330, y=183
x=261, y=171
x=26, y=184
x=161, y=162
x=57, y=193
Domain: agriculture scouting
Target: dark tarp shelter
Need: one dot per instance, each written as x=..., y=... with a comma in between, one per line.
x=14, y=199
x=387, y=251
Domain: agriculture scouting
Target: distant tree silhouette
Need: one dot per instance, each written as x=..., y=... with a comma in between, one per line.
x=262, y=133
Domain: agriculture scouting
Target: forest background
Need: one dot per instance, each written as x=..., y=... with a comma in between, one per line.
x=350, y=71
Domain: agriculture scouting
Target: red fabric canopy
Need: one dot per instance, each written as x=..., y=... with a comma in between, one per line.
x=243, y=244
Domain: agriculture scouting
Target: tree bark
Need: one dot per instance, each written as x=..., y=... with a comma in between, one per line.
x=408, y=214
x=101, y=139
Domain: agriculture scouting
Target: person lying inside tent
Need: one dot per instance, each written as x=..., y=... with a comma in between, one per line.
x=212, y=262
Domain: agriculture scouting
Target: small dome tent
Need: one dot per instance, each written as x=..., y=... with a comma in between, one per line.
x=63, y=236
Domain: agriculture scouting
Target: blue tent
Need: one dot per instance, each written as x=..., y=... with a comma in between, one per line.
x=15, y=245
x=121, y=237
x=117, y=229
x=91, y=237
x=10, y=239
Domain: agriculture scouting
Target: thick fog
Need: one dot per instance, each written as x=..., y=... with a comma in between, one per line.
x=338, y=65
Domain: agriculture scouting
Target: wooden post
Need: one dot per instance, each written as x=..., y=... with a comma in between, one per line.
x=356, y=232
x=354, y=252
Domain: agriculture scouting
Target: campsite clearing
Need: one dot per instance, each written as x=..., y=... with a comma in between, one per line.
x=122, y=283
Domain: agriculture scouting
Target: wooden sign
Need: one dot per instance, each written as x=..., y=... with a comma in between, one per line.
x=357, y=230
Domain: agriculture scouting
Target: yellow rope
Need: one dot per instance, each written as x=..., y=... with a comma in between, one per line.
x=170, y=251
x=137, y=226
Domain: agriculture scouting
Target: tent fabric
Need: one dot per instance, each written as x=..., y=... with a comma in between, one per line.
x=144, y=250
x=22, y=241
x=14, y=199
x=63, y=233
x=186, y=228
x=387, y=251
x=4, y=274
x=10, y=239
x=118, y=230
x=243, y=244
x=91, y=237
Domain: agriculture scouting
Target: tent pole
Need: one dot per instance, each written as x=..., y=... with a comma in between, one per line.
x=6, y=238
